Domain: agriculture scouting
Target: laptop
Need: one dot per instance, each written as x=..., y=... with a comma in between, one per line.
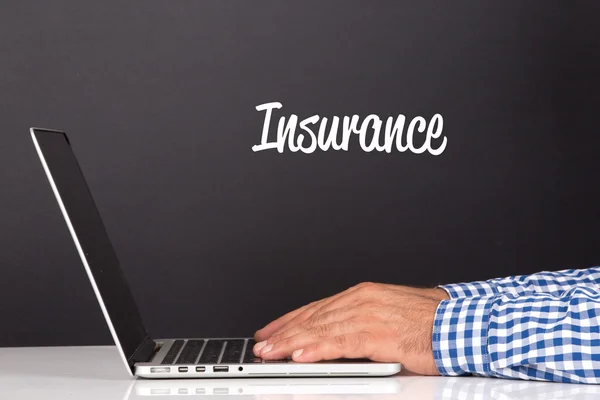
x=142, y=354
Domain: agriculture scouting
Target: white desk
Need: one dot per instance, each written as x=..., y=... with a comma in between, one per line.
x=67, y=373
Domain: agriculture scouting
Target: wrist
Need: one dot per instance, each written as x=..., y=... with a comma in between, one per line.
x=437, y=294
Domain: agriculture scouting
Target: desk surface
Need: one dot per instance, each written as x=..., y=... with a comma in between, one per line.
x=68, y=373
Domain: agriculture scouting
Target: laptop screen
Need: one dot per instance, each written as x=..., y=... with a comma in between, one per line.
x=91, y=240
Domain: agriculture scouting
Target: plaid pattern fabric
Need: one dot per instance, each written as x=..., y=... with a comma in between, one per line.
x=523, y=333
x=460, y=336
x=554, y=283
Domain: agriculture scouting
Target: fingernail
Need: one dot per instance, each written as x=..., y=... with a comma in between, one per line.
x=266, y=349
x=258, y=346
x=297, y=353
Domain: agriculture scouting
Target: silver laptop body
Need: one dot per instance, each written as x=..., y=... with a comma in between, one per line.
x=143, y=355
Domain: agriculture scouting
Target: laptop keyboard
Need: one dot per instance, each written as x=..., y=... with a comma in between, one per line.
x=190, y=352
x=211, y=351
x=173, y=352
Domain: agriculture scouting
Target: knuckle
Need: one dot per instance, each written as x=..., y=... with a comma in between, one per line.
x=283, y=344
x=307, y=325
x=320, y=331
x=276, y=338
x=341, y=340
x=317, y=347
x=360, y=344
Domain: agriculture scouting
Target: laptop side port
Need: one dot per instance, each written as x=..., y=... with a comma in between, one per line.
x=160, y=370
x=221, y=368
x=200, y=369
x=183, y=369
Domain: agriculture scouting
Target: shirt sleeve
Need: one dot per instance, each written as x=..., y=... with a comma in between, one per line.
x=554, y=283
x=538, y=336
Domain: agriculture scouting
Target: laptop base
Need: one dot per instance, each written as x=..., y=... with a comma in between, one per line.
x=210, y=358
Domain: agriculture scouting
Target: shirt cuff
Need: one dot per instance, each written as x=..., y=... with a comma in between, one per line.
x=460, y=336
x=472, y=289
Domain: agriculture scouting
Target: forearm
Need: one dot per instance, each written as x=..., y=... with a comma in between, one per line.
x=554, y=283
x=537, y=336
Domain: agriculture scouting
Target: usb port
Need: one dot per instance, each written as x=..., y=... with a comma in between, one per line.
x=221, y=368
x=200, y=369
x=183, y=369
x=160, y=370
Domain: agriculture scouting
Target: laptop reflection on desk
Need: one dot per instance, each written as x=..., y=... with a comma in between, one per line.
x=271, y=386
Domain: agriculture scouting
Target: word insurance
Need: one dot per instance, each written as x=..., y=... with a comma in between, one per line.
x=316, y=132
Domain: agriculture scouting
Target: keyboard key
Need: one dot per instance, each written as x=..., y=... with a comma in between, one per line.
x=211, y=352
x=172, y=353
x=249, y=357
x=233, y=352
x=190, y=352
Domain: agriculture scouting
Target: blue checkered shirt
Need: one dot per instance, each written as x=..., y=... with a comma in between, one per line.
x=544, y=326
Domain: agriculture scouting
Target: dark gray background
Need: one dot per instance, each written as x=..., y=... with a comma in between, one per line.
x=158, y=98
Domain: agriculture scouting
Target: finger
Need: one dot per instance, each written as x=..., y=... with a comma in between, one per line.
x=353, y=345
x=286, y=347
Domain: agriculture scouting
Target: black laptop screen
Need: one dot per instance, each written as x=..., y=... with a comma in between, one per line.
x=93, y=239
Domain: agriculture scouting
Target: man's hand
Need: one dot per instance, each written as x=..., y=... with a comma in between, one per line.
x=385, y=323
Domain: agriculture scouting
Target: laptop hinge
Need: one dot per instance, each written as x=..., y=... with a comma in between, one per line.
x=144, y=352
